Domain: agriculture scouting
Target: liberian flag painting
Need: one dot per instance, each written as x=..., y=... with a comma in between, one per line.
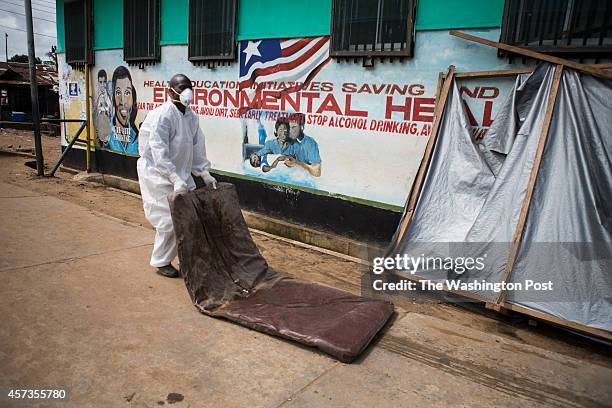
x=295, y=60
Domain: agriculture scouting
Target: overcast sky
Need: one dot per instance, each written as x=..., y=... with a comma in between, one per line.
x=12, y=22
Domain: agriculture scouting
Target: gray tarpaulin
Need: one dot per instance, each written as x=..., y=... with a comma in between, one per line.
x=473, y=192
x=572, y=207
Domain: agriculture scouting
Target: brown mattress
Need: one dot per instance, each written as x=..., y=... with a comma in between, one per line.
x=227, y=277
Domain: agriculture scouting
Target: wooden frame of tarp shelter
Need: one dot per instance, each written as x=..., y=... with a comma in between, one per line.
x=444, y=84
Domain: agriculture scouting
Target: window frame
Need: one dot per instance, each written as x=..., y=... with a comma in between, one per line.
x=212, y=58
x=150, y=59
x=560, y=46
x=88, y=28
x=406, y=52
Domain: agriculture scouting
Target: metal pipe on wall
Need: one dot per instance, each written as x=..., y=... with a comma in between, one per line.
x=88, y=117
x=69, y=147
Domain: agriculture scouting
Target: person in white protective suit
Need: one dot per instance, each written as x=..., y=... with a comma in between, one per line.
x=171, y=147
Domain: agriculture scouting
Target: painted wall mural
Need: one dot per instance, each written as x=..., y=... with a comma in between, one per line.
x=103, y=109
x=287, y=113
x=115, y=113
x=72, y=101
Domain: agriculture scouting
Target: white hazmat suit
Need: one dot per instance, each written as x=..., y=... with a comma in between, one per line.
x=171, y=147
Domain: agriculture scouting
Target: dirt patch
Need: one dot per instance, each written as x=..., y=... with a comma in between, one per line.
x=23, y=141
x=174, y=397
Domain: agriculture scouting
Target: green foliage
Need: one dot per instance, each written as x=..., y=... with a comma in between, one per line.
x=23, y=58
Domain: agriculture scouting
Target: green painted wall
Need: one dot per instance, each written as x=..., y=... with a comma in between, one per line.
x=108, y=24
x=283, y=18
x=108, y=27
x=448, y=14
x=174, y=22
x=302, y=18
x=279, y=19
x=59, y=24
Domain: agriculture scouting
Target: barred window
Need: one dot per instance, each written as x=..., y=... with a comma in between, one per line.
x=141, y=31
x=77, y=18
x=571, y=28
x=372, y=28
x=212, y=25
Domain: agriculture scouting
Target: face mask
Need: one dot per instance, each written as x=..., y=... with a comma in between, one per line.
x=186, y=97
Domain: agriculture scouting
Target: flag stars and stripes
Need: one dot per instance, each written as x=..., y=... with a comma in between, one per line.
x=282, y=60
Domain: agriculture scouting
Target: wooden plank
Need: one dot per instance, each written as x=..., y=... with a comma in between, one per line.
x=418, y=181
x=533, y=54
x=497, y=308
x=503, y=308
x=441, y=76
x=520, y=225
x=507, y=72
x=558, y=321
x=493, y=74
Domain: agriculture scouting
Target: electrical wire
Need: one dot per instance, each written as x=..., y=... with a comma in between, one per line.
x=23, y=14
x=44, y=4
x=19, y=29
x=33, y=8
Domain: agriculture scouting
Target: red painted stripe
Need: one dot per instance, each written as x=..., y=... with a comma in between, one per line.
x=287, y=66
x=309, y=78
x=285, y=52
x=245, y=84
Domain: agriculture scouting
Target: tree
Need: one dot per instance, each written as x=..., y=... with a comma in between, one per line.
x=23, y=58
x=52, y=55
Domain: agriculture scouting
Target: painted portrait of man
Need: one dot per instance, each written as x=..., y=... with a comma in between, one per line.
x=307, y=155
x=124, y=133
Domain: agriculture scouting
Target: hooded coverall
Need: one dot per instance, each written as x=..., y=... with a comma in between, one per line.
x=171, y=146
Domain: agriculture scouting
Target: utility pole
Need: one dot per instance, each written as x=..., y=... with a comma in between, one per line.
x=34, y=89
x=6, y=46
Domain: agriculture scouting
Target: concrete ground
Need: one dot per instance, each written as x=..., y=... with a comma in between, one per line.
x=82, y=311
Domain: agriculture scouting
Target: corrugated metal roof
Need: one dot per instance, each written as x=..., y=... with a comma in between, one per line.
x=45, y=75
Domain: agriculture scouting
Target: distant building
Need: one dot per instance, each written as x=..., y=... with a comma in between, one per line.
x=15, y=99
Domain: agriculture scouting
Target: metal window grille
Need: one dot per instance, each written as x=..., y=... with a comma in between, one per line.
x=571, y=28
x=77, y=22
x=141, y=31
x=372, y=28
x=212, y=25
